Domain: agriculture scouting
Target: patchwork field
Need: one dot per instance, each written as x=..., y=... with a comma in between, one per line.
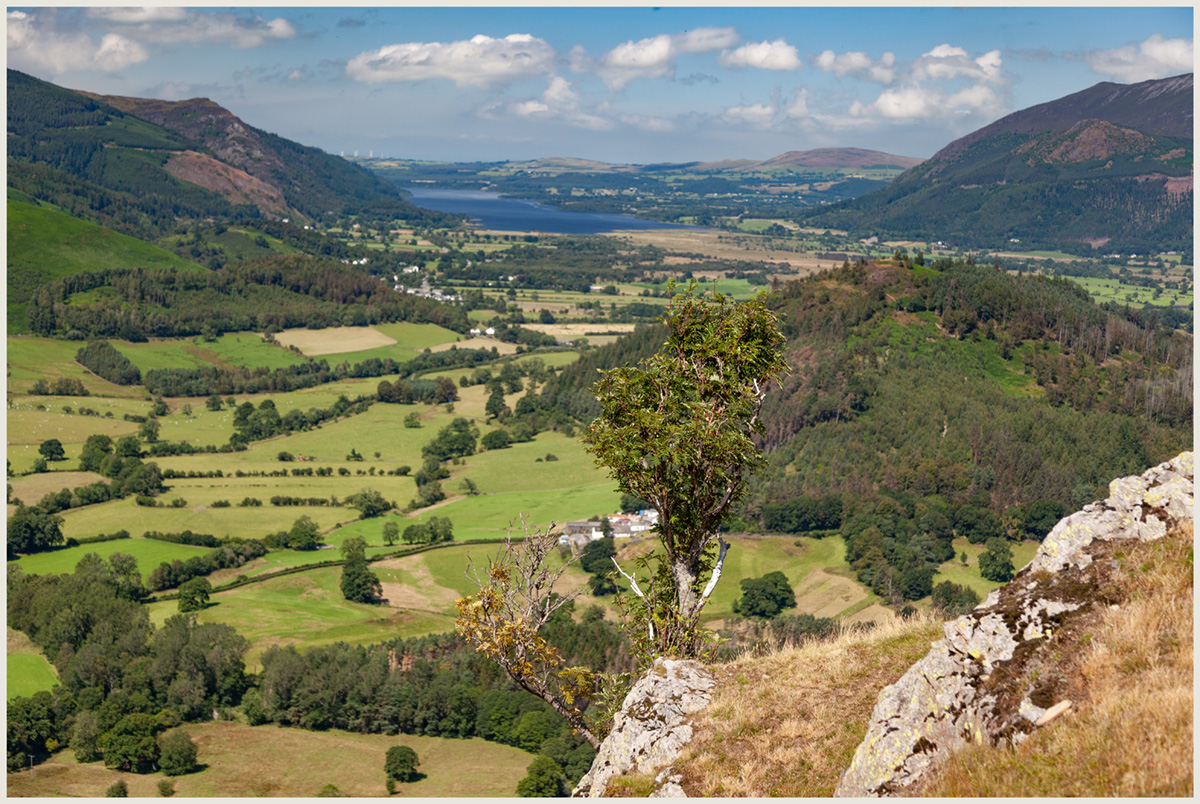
x=28, y=670
x=231, y=349
x=240, y=760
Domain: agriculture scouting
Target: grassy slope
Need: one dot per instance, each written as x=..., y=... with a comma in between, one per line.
x=45, y=244
x=788, y=723
x=240, y=760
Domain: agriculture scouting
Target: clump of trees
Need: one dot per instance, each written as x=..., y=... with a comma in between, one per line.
x=359, y=584
x=765, y=597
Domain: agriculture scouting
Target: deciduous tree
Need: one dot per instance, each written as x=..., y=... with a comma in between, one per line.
x=677, y=431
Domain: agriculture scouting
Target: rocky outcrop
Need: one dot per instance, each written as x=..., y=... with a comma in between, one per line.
x=993, y=679
x=651, y=727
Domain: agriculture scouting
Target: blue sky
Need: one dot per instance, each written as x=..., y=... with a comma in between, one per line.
x=618, y=84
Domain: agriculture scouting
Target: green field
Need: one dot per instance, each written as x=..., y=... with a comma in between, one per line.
x=28, y=670
x=32, y=358
x=305, y=609
x=239, y=760
x=1113, y=290
x=953, y=570
x=148, y=552
x=232, y=349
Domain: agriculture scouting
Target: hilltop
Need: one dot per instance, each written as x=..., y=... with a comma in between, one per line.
x=1107, y=168
x=144, y=166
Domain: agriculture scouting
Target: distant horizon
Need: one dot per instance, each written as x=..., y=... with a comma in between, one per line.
x=619, y=85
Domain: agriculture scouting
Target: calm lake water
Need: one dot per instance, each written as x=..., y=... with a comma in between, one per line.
x=492, y=211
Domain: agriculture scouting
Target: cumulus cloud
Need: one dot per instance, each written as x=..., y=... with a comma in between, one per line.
x=480, y=62
x=776, y=55
x=912, y=102
x=858, y=64
x=946, y=62
x=1157, y=57
x=653, y=57
x=111, y=39
x=35, y=44
x=558, y=102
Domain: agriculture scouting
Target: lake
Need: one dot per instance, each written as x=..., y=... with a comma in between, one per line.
x=493, y=211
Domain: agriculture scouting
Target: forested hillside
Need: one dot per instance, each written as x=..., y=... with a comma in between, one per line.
x=957, y=399
x=267, y=294
x=144, y=167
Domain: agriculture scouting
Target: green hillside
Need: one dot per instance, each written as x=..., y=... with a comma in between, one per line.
x=45, y=244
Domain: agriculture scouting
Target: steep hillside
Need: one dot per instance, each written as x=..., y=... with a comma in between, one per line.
x=1109, y=167
x=955, y=399
x=1074, y=679
x=45, y=244
x=142, y=166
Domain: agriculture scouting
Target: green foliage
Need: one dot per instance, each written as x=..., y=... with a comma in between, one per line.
x=455, y=440
x=117, y=789
x=401, y=764
x=359, y=584
x=166, y=788
x=954, y=600
x=544, y=780
x=52, y=450
x=370, y=503
x=193, y=594
x=765, y=597
x=495, y=439
x=304, y=535
x=995, y=563
x=103, y=358
x=177, y=753
x=31, y=529
x=130, y=745
x=677, y=431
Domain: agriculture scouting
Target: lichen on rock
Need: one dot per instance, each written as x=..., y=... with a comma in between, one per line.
x=651, y=726
x=972, y=686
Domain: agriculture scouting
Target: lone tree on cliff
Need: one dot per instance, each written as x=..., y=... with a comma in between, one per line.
x=676, y=431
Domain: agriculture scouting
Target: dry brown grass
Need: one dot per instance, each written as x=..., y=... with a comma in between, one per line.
x=334, y=340
x=31, y=488
x=787, y=723
x=1130, y=731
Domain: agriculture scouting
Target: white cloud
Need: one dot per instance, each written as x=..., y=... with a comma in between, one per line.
x=1157, y=57
x=655, y=124
x=776, y=55
x=858, y=64
x=653, y=57
x=760, y=114
x=48, y=40
x=138, y=15
x=559, y=103
x=946, y=62
x=799, y=105
x=34, y=43
x=218, y=28
x=913, y=102
x=480, y=62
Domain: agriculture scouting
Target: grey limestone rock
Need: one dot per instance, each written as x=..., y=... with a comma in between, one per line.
x=954, y=696
x=651, y=727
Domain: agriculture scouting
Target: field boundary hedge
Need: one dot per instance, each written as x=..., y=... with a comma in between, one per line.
x=266, y=576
